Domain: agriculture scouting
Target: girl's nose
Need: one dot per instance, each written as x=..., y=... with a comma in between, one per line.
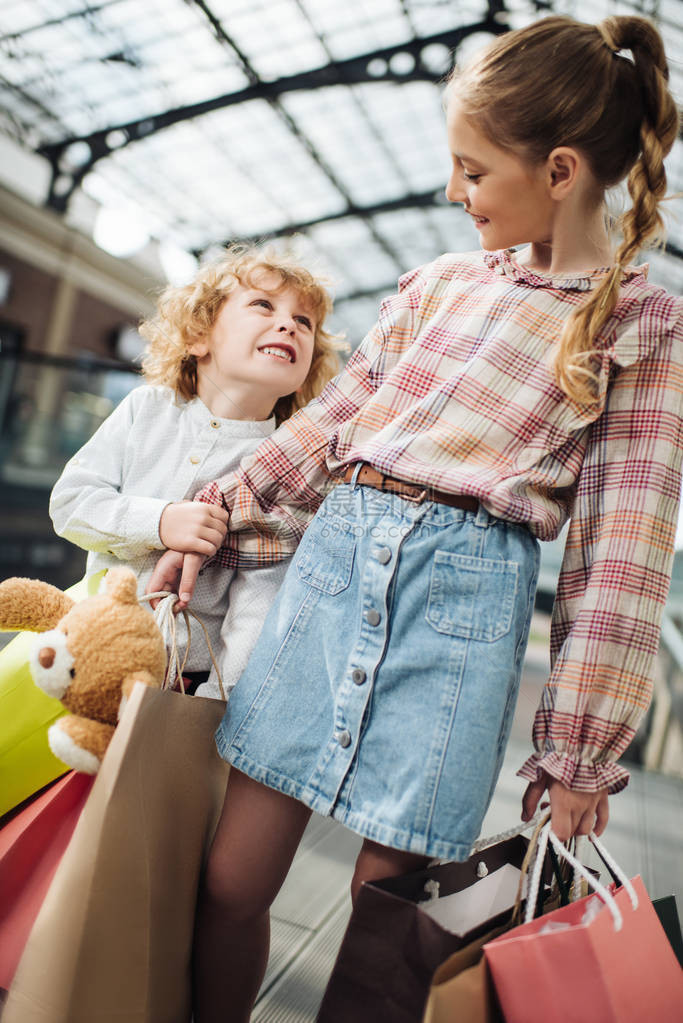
x=289, y=327
x=455, y=191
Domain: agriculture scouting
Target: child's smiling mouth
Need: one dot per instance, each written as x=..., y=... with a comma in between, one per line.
x=283, y=352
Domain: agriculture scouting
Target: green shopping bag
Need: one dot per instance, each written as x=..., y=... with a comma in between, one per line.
x=26, y=713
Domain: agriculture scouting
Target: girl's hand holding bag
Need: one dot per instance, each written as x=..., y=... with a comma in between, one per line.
x=114, y=934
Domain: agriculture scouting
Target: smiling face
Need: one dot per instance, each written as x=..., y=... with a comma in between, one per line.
x=506, y=197
x=259, y=349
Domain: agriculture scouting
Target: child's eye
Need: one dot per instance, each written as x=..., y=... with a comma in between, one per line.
x=305, y=321
x=264, y=302
x=470, y=177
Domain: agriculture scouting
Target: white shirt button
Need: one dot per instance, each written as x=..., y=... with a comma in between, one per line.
x=194, y=459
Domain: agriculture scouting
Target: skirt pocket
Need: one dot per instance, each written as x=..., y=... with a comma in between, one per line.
x=325, y=558
x=472, y=598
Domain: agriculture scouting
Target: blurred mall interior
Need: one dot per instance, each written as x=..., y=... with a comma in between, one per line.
x=138, y=138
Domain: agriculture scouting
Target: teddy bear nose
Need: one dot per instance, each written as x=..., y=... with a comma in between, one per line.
x=46, y=657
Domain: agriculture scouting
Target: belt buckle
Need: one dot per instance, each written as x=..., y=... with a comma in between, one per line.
x=418, y=499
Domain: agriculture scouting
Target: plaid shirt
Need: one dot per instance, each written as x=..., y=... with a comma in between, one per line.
x=453, y=389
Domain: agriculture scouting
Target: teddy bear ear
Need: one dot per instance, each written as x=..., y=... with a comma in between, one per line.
x=31, y=604
x=122, y=585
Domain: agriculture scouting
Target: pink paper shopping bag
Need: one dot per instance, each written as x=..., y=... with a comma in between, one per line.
x=602, y=959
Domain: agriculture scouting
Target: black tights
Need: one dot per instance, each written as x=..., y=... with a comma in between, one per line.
x=255, y=842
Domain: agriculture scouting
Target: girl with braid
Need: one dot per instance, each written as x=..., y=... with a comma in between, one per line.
x=500, y=394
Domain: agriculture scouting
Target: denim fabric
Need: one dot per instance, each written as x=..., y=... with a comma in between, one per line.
x=383, y=686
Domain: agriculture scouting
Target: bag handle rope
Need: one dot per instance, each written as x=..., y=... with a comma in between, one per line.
x=532, y=854
x=536, y=856
x=547, y=835
x=536, y=851
x=536, y=822
x=502, y=836
x=166, y=621
x=432, y=887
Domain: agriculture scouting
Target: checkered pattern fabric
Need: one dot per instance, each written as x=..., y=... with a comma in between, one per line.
x=453, y=388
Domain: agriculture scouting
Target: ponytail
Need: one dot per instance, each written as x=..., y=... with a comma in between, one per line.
x=642, y=224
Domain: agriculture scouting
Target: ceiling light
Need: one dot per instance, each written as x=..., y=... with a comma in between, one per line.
x=120, y=232
x=179, y=265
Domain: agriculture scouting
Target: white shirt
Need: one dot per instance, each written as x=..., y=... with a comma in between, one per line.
x=152, y=450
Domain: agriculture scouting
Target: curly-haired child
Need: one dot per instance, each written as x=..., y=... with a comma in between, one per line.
x=230, y=356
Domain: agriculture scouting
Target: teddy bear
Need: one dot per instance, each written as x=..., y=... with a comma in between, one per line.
x=88, y=655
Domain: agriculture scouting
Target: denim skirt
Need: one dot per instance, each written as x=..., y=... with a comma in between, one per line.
x=383, y=685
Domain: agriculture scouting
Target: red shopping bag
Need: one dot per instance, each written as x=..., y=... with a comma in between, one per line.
x=592, y=961
x=31, y=845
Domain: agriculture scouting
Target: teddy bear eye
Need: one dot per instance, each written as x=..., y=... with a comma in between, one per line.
x=73, y=673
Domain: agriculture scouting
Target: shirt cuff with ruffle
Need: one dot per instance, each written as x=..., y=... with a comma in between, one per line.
x=575, y=775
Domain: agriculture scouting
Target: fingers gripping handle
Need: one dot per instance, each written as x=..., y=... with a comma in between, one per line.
x=166, y=620
x=547, y=835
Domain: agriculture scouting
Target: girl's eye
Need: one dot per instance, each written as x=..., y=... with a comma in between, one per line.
x=470, y=177
x=305, y=321
x=264, y=302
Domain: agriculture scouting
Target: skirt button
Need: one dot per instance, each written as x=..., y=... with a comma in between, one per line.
x=343, y=738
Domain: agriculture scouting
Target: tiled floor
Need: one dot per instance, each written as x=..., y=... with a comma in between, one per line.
x=645, y=835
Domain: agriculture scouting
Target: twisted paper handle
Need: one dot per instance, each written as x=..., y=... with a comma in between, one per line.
x=166, y=620
x=547, y=835
x=502, y=836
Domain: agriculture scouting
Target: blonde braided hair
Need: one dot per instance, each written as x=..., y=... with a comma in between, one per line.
x=640, y=225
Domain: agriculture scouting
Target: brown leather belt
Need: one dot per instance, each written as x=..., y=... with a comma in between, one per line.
x=369, y=477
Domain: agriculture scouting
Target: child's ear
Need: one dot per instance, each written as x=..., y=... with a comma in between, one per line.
x=199, y=348
x=563, y=168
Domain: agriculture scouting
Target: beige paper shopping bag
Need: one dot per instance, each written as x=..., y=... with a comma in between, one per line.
x=461, y=988
x=113, y=938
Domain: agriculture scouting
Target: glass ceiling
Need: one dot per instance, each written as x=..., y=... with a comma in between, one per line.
x=204, y=121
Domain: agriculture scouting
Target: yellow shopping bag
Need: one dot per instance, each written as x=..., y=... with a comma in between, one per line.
x=26, y=713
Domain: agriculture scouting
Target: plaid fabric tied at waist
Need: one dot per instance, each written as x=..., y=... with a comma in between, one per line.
x=369, y=477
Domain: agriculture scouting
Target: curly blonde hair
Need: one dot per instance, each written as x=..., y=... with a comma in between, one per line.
x=186, y=314
x=560, y=82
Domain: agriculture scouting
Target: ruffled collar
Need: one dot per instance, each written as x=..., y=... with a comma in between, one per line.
x=503, y=262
